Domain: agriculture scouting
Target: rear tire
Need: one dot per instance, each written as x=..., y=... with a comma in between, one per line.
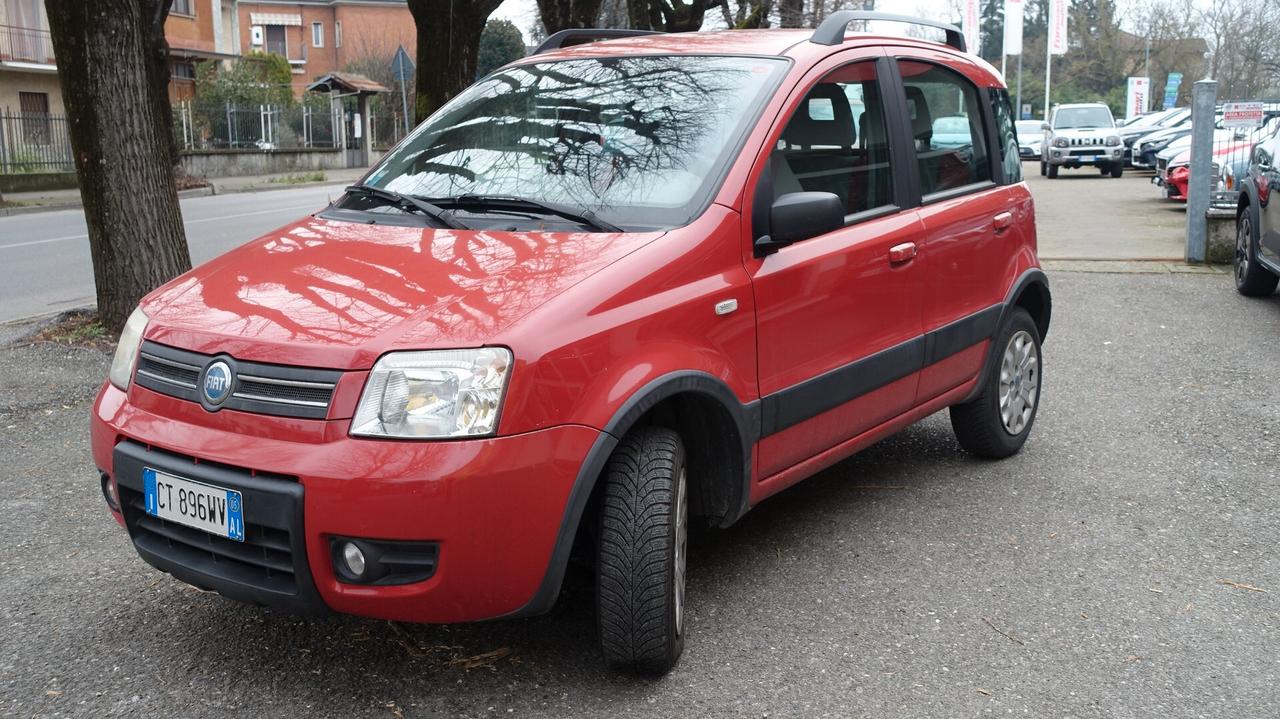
x=1117, y=170
x=640, y=555
x=996, y=423
x=1252, y=279
x=1053, y=172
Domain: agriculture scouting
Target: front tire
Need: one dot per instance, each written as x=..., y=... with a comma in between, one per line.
x=1044, y=168
x=641, y=553
x=1252, y=279
x=996, y=423
x=1053, y=172
x=1117, y=170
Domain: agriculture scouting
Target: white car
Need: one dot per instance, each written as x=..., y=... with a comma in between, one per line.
x=1030, y=138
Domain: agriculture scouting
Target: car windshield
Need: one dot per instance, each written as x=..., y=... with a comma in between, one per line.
x=1068, y=118
x=1027, y=128
x=640, y=142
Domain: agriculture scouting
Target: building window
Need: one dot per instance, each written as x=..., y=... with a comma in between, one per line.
x=276, y=42
x=337, y=33
x=184, y=71
x=35, y=116
x=183, y=7
x=317, y=34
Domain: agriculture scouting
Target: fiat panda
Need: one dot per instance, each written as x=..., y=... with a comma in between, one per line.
x=631, y=282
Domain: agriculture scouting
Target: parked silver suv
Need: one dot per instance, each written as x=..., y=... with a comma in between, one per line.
x=1079, y=135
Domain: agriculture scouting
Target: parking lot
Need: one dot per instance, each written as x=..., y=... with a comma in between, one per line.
x=1122, y=565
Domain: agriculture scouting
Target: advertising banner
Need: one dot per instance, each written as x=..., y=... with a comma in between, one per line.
x=1058, y=27
x=1138, y=98
x=1171, y=90
x=1242, y=114
x=1013, y=27
x=971, y=24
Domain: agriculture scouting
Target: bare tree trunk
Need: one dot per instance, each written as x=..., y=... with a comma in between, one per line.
x=106, y=62
x=448, y=44
x=560, y=15
x=791, y=12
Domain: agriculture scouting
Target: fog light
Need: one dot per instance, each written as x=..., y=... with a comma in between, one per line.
x=353, y=558
x=109, y=491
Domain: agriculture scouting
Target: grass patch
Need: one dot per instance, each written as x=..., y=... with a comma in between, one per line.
x=78, y=329
x=298, y=178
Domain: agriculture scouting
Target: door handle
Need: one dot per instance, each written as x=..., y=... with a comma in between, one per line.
x=902, y=253
x=1002, y=221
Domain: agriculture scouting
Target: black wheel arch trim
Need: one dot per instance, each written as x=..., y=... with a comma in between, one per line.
x=745, y=416
x=1033, y=280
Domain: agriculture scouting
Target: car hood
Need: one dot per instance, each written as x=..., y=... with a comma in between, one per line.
x=1085, y=132
x=331, y=293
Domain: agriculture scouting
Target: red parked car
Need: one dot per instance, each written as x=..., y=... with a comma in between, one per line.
x=608, y=290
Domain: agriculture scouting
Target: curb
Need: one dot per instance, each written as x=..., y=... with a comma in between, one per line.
x=56, y=206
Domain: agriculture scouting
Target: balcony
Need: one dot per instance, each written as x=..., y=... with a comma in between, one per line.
x=25, y=44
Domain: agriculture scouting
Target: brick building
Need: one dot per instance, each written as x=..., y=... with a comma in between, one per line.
x=199, y=30
x=323, y=36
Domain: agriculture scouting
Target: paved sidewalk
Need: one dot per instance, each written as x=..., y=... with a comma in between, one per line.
x=1084, y=216
x=27, y=202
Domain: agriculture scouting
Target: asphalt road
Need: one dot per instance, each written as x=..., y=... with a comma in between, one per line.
x=1082, y=578
x=44, y=257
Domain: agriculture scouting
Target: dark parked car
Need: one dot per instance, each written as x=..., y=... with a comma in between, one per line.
x=1257, y=261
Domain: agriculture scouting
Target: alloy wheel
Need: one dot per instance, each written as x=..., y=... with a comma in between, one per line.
x=1244, y=237
x=682, y=548
x=1019, y=382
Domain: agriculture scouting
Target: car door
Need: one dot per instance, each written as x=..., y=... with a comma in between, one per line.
x=1267, y=177
x=838, y=315
x=970, y=230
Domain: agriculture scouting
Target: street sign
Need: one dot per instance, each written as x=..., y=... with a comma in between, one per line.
x=1242, y=114
x=1026, y=111
x=402, y=66
x=1171, y=90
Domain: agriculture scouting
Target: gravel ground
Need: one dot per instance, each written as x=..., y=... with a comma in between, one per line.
x=1082, y=578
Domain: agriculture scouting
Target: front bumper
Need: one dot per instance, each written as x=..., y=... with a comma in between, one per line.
x=1081, y=156
x=493, y=506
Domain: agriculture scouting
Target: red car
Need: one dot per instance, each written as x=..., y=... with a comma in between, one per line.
x=608, y=290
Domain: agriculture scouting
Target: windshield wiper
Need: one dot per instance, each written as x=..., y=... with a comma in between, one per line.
x=409, y=203
x=500, y=202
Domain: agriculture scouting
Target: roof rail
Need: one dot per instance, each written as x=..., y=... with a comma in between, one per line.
x=579, y=36
x=831, y=31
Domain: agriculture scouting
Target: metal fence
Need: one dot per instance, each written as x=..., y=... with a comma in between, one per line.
x=34, y=142
x=25, y=44
x=205, y=126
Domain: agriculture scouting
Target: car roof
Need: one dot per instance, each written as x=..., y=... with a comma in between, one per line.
x=1065, y=106
x=783, y=43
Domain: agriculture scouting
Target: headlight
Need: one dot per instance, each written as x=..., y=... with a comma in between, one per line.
x=127, y=349
x=434, y=394
x=1059, y=142
x=1113, y=141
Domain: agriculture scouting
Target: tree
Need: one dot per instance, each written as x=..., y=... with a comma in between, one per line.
x=991, y=21
x=448, y=47
x=560, y=15
x=500, y=43
x=670, y=15
x=115, y=99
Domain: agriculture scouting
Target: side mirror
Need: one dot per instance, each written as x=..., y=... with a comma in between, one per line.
x=798, y=216
x=1044, y=127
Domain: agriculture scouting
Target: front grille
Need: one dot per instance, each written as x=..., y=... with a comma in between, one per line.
x=279, y=390
x=268, y=567
x=1083, y=153
x=1084, y=141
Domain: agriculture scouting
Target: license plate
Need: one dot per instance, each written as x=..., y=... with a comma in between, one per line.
x=195, y=504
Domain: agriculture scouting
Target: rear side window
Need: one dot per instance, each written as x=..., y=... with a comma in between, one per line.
x=836, y=142
x=946, y=127
x=1002, y=111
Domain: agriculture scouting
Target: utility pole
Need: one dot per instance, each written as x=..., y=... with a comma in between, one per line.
x=1048, y=71
x=1018, y=114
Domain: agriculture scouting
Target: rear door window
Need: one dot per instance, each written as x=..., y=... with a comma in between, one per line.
x=1006, y=132
x=946, y=128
